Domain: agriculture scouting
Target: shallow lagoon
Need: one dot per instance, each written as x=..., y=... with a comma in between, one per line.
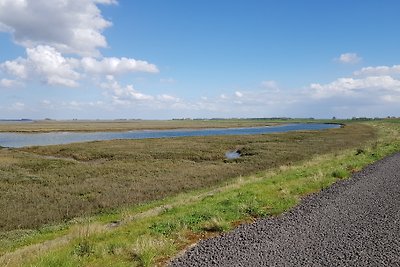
x=55, y=138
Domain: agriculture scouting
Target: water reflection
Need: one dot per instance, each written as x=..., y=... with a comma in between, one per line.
x=232, y=154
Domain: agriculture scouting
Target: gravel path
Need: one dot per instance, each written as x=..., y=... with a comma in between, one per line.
x=355, y=222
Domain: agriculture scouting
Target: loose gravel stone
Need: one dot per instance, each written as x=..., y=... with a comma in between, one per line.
x=355, y=222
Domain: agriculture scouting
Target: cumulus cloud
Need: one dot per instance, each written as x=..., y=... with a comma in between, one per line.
x=351, y=86
x=115, y=66
x=380, y=79
x=378, y=71
x=372, y=90
x=73, y=26
x=349, y=58
x=343, y=97
x=108, y=2
x=49, y=63
x=46, y=62
x=123, y=94
x=62, y=39
x=127, y=95
x=55, y=69
x=15, y=67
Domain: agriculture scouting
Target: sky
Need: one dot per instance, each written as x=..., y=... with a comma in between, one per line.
x=157, y=59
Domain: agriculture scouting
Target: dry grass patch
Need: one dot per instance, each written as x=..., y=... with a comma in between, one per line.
x=125, y=125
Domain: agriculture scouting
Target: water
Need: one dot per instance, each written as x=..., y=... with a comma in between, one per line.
x=232, y=155
x=55, y=138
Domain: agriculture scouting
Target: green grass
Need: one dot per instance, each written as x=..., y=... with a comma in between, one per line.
x=288, y=167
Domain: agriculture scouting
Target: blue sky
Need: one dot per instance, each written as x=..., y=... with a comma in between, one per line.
x=154, y=59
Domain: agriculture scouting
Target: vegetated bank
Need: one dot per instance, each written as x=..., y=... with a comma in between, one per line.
x=127, y=125
x=308, y=161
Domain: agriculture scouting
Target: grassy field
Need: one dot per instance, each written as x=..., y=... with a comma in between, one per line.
x=53, y=184
x=50, y=184
x=124, y=125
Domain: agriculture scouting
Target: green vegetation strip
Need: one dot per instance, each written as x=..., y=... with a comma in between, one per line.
x=151, y=233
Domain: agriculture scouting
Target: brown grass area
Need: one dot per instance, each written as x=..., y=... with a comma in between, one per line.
x=125, y=125
x=50, y=184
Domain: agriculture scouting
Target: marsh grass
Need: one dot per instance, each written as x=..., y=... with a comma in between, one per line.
x=53, y=184
x=125, y=125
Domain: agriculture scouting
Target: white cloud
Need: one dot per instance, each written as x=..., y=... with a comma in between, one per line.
x=16, y=67
x=257, y=101
x=379, y=71
x=123, y=94
x=238, y=94
x=260, y=102
x=50, y=66
x=371, y=92
x=168, y=98
x=47, y=63
x=71, y=26
x=49, y=30
x=115, y=66
x=128, y=96
x=6, y=83
x=351, y=86
x=108, y=2
x=349, y=58
x=56, y=70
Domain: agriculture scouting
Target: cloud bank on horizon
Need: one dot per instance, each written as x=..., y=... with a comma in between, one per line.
x=64, y=73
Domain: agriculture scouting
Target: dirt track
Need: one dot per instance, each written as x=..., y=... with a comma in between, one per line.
x=355, y=222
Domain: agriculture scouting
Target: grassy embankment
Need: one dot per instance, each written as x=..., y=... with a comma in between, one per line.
x=286, y=166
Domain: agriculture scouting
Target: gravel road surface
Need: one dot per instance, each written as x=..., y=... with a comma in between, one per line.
x=356, y=222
